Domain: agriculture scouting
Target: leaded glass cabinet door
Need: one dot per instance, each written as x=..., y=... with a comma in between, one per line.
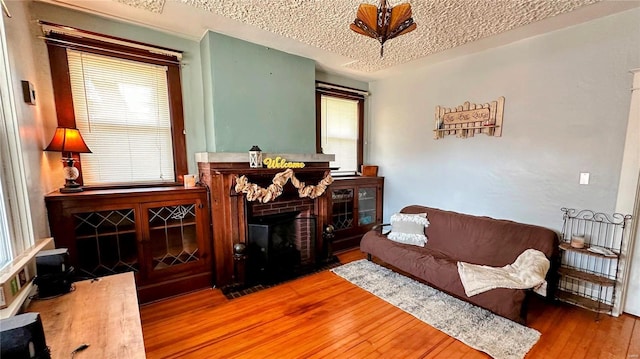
x=356, y=207
x=107, y=242
x=342, y=208
x=367, y=205
x=173, y=237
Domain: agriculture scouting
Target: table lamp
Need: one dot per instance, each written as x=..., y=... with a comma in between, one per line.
x=67, y=141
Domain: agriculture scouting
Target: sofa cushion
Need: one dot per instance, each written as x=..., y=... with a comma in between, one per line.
x=409, y=228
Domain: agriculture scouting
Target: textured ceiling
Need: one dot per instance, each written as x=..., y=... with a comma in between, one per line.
x=441, y=24
x=324, y=24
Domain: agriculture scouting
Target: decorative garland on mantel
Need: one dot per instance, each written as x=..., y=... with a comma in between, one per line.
x=265, y=195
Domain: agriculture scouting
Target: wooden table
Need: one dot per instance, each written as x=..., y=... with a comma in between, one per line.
x=102, y=313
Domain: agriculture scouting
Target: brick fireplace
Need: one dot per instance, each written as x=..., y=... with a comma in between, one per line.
x=305, y=209
x=231, y=213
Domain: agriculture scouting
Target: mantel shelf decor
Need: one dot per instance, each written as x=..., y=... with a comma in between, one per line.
x=469, y=118
x=274, y=190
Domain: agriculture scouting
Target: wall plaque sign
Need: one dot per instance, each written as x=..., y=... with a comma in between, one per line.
x=469, y=118
x=481, y=114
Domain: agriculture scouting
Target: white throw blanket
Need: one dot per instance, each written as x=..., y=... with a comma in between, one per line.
x=528, y=271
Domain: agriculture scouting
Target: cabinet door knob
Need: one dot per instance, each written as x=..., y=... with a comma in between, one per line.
x=200, y=205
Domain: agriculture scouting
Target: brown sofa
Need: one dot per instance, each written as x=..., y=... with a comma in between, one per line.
x=454, y=237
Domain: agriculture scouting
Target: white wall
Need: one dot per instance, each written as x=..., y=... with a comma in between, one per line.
x=37, y=123
x=566, y=111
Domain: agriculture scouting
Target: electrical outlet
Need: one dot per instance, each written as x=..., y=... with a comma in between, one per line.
x=584, y=177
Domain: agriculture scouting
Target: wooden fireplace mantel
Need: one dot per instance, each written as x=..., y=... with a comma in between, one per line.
x=229, y=210
x=243, y=157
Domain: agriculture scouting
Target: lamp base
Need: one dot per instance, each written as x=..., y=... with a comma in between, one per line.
x=70, y=189
x=70, y=175
x=71, y=186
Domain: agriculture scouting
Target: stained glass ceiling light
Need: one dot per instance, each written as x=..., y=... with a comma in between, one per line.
x=383, y=22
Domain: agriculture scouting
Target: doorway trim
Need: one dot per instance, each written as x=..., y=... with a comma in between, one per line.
x=628, y=200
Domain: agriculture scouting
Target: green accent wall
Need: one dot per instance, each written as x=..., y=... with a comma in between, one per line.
x=260, y=96
x=207, y=92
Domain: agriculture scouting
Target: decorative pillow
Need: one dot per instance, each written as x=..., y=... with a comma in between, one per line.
x=409, y=228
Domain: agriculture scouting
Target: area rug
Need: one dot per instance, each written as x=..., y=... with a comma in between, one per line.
x=478, y=328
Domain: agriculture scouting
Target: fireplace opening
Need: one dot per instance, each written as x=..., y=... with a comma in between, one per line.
x=278, y=246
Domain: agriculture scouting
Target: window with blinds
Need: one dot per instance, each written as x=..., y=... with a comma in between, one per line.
x=339, y=132
x=122, y=110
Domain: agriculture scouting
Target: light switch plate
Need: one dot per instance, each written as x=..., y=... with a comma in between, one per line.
x=584, y=177
x=28, y=93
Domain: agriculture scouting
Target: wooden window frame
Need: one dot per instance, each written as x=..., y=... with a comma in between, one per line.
x=57, y=45
x=345, y=94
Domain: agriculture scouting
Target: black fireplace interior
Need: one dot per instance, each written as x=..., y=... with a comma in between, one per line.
x=272, y=252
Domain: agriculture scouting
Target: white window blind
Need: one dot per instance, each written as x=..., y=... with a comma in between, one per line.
x=339, y=126
x=122, y=112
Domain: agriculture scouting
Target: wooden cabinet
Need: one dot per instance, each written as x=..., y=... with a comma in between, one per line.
x=161, y=234
x=355, y=206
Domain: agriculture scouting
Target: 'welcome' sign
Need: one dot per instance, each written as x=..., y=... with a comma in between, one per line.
x=280, y=162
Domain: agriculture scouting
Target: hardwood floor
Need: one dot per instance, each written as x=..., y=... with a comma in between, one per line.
x=323, y=315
